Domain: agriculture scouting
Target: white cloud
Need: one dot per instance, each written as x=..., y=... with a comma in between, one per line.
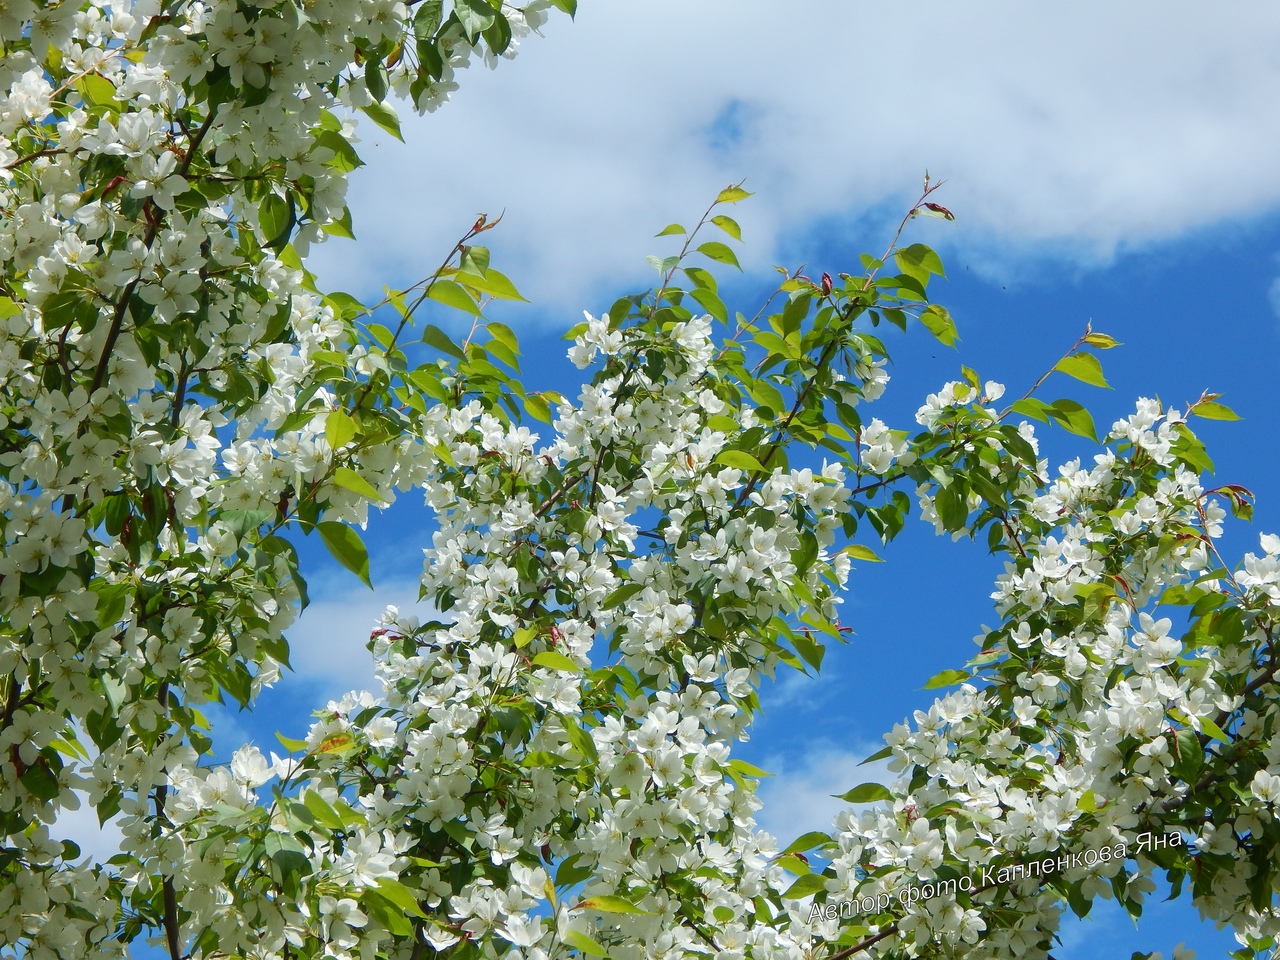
x=1273, y=296
x=802, y=794
x=97, y=843
x=1066, y=132
x=327, y=642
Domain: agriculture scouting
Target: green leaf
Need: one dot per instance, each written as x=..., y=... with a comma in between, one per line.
x=453, y=295
x=584, y=944
x=474, y=15
x=608, y=904
x=498, y=34
x=426, y=20
x=621, y=594
x=341, y=227
x=570, y=873
x=858, y=552
x=40, y=781
x=807, y=842
x=741, y=460
x=63, y=309
x=276, y=217
x=400, y=895
x=806, y=886
x=882, y=754
x=433, y=336
x=493, y=283
x=1189, y=449
x=1073, y=417
x=1084, y=367
x=728, y=225
x=1188, y=756
x=555, y=660
x=1033, y=408
x=947, y=678
x=732, y=194
x=244, y=522
x=765, y=393
x=919, y=261
x=939, y=323
x=348, y=479
x=811, y=650
x=339, y=429
x=711, y=303
x=537, y=407
x=290, y=744
x=671, y=229
x=347, y=548
x=96, y=90
x=375, y=78
x=867, y=793
x=321, y=810
x=288, y=855
x=747, y=769
x=1101, y=341
x=952, y=504
x=1213, y=730
x=384, y=116
x=1087, y=802
x=1214, y=411
x=719, y=252
x=386, y=913
x=522, y=637
x=793, y=865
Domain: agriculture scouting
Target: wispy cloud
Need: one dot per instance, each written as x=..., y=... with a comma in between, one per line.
x=327, y=642
x=1068, y=132
x=803, y=793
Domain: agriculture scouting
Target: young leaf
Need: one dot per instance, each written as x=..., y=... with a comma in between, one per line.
x=732, y=194
x=1073, y=417
x=859, y=552
x=882, y=754
x=384, y=116
x=728, y=225
x=947, y=678
x=794, y=865
x=1214, y=411
x=584, y=944
x=1101, y=341
x=719, y=252
x=866, y=793
x=453, y=295
x=607, y=904
x=747, y=769
x=339, y=429
x=806, y=886
x=1084, y=367
x=807, y=842
x=348, y=479
x=493, y=283
x=741, y=460
x=556, y=661
x=939, y=323
x=433, y=336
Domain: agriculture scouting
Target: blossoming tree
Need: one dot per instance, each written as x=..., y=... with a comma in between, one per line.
x=547, y=769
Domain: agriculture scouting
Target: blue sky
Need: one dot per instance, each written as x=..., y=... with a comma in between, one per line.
x=1113, y=165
